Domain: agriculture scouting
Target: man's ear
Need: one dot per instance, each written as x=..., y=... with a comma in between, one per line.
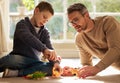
x=86, y=14
x=36, y=10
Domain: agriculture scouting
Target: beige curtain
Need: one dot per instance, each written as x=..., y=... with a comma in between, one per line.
x=4, y=29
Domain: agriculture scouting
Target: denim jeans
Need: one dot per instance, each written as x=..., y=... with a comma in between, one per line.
x=25, y=65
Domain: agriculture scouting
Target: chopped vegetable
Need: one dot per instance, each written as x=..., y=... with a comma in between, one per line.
x=36, y=75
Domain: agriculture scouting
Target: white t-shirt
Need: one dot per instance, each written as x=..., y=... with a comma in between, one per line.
x=37, y=29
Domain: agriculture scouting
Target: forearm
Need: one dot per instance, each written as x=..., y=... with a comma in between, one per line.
x=86, y=59
x=110, y=56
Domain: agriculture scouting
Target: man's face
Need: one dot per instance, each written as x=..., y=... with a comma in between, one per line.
x=77, y=21
x=41, y=18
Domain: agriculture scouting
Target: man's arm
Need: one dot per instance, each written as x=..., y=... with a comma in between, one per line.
x=112, y=31
x=85, y=57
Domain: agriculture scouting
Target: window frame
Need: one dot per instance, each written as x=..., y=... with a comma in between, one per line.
x=93, y=14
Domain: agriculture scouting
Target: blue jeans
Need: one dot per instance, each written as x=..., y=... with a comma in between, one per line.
x=25, y=65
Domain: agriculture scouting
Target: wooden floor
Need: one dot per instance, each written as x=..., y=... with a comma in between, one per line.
x=109, y=75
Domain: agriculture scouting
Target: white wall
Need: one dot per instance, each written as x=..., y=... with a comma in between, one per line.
x=66, y=50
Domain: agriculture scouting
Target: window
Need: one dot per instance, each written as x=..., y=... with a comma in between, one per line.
x=58, y=25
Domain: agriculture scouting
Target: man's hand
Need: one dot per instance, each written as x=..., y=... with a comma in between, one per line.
x=50, y=54
x=87, y=71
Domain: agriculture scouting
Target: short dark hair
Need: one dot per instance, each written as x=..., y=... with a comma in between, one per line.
x=77, y=7
x=43, y=5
